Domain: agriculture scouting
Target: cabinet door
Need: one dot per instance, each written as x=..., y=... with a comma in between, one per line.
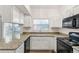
x=75, y=51
x=6, y=13
x=20, y=49
x=76, y=10
x=53, y=43
x=56, y=23
x=21, y=18
x=27, y=21
x=39, y=43
x=15, y=15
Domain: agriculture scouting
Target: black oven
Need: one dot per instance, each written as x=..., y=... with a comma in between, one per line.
x=63, y=46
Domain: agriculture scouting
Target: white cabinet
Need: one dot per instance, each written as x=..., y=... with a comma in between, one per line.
x=11, y=13
x=43, y=43
x=55, y=23
x=29, y=9
x=20, y=49
x=39, y=43
x=6, y=13
x=21, y=18
x=27, y=21
x=75, y=49
x=76, y=10
x=53, y=44
x=18, y=16
x=69, y=12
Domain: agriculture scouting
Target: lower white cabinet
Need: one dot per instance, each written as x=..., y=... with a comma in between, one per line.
x=7, y=51
x=43, y=43
x=53, y=44
x=20, y=49
x=39, y=43
x=75, y=51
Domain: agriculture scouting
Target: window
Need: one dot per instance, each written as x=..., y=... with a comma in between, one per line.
x=40, y=24
x=11, y=31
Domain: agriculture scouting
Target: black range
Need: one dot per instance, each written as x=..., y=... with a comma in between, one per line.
x=64, y=45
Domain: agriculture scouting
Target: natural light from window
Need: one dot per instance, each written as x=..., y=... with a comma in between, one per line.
x=40, y=24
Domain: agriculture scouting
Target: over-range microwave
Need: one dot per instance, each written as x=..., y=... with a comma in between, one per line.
x=71, y=22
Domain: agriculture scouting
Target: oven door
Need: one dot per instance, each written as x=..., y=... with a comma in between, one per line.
x=63, y=47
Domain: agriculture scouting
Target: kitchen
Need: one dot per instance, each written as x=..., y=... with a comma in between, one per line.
x=39, y=28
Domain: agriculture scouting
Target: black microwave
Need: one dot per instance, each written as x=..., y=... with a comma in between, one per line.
x=71, y=22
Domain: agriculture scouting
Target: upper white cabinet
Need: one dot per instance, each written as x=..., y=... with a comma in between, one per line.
x=27, y=21
x=13, y=13
x=16, y=15
x=28, y=9
x=55, y=23
x=6, y=13
x=21, y=18
x=76, y=10
x=72, y=11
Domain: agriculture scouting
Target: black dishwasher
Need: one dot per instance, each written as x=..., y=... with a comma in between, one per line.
x=27, y=45
x=63, y=46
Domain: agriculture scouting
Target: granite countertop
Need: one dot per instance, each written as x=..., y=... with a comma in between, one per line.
x=52, y=34
x=14, y=44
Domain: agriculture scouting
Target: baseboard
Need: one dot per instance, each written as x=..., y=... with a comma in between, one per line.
x=40, y=51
